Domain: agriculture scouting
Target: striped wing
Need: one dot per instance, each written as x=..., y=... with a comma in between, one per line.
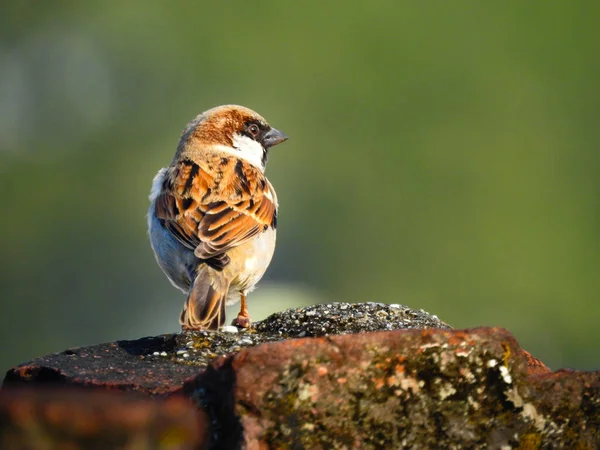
x=215, y=206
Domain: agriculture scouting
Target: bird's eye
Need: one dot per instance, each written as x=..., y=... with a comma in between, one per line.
x=253, y=129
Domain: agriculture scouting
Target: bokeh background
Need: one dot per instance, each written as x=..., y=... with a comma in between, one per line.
x=443, y=155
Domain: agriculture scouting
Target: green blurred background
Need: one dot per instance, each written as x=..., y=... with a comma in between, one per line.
x=443, y=155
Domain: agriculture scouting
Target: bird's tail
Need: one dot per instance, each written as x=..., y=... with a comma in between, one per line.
x=204, y=308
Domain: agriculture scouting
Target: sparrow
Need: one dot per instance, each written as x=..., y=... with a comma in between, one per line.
x=213, y=214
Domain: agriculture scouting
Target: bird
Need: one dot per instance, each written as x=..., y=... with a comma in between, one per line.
x=213, y=214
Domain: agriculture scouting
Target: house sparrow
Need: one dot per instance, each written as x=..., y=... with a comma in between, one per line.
x=213, y=213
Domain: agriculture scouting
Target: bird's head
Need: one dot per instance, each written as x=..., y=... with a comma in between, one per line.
x=235, y=130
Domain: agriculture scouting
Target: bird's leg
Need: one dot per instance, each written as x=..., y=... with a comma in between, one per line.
x=243, y=318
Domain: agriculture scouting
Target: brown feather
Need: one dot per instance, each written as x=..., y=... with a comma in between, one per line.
x=205, y=305
x=216, y=203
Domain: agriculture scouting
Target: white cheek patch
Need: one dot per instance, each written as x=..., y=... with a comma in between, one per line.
x=246, y=148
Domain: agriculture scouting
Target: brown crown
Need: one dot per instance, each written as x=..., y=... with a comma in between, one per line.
x=217, y=125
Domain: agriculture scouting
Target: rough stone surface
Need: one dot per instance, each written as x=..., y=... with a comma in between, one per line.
x=121, y=365
x=360, y=376
x=416, y=389
x=74, y=418
x=344, y=318
x=159, y=365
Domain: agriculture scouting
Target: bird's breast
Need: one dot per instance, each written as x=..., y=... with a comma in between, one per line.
x=250, y=261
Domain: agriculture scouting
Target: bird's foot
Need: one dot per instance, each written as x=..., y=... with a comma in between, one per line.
x=242, y=321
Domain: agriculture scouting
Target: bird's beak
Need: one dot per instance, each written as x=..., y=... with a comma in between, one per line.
x=274, y=137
